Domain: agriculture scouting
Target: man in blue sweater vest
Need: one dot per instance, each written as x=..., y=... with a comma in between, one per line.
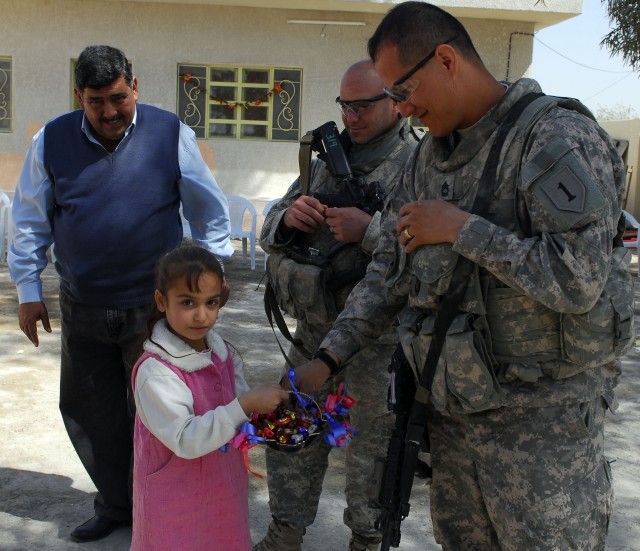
x=105, y=184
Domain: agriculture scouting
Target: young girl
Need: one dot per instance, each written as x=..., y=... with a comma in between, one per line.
x=191, y=398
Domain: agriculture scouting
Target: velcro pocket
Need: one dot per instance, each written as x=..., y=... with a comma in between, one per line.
x=301, y=289
x=470, y=375
x=464, y=379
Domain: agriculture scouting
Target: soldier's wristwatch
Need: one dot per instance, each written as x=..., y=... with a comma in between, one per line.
x=322, y=355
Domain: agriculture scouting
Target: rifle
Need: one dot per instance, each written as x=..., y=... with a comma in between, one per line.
x=326, y=141
x=387, y=486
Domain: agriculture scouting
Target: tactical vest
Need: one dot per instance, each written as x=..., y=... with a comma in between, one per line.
x=500, y=334
x=314, y=276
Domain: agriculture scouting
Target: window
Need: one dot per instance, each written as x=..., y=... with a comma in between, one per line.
x=5, y=94
x=242, y=103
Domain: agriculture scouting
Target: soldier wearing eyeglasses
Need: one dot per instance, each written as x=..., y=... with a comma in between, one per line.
x=525, y=191
x=378, y=142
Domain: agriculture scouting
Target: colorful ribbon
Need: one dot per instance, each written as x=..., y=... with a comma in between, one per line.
x=243, y=442
x=340, y=403
x=304, y=401
x=339, y=433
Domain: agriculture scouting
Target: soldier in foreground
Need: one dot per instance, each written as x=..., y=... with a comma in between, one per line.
x=501, y=244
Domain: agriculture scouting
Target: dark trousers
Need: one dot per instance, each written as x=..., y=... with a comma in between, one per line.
x=96, y=402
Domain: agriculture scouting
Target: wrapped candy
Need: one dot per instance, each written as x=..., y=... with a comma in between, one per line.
x=296, y=423
x=291, y=426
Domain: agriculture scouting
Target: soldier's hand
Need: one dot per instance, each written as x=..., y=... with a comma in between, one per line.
x=306, y=214
x=311, y=376
x=348, y=224
x=29, y=314
x=429, y=223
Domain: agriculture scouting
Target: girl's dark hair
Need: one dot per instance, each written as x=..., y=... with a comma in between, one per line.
x=99, y=66
x=188, y=261
x=416, y=28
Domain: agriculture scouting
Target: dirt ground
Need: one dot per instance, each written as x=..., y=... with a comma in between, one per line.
x=45, y=493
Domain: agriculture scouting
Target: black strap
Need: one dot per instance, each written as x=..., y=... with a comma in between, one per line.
x=449, y=306
x=272, y=310
x=304, y=161
x=450, y=302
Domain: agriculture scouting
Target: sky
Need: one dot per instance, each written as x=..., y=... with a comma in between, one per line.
x=568, y=61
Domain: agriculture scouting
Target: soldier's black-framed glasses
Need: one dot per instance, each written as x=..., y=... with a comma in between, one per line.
x=358, y=106
x=403, y=88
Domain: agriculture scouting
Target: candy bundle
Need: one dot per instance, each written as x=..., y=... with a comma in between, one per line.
x=297, y=422
x=292, y=425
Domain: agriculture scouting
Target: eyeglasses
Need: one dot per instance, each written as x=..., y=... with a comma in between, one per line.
x=358, y=106
x=401, y=90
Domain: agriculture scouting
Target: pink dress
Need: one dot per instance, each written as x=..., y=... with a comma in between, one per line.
x=190, y=504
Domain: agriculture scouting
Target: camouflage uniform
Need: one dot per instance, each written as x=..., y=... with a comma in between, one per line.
x=517, y=448
x=295, y=479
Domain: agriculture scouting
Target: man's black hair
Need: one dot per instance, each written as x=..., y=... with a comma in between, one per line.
x=416, y=28
x=99, y=66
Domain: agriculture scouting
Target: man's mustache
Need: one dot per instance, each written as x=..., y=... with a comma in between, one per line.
x=112, y=119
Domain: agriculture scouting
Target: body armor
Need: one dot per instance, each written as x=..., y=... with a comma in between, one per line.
x=501, y=335
x=314, y=274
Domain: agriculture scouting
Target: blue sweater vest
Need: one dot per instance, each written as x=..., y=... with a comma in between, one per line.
x=114, y=213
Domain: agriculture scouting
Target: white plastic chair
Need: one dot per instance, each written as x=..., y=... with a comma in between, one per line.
x=631, y=240
x=265, y=211
x=238, y=207
x=5, y=214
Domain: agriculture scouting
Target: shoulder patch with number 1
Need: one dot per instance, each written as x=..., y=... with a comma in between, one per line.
x=565, y=190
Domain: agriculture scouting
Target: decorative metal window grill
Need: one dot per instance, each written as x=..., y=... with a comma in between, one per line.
x=6, y=108
x=243, y=103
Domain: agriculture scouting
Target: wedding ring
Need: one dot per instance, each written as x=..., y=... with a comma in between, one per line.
x=407, y=234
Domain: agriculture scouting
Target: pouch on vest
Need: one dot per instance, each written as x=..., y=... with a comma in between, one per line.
x=434, y=264
x=606, y=331
x=465, y=380
x=301, y=289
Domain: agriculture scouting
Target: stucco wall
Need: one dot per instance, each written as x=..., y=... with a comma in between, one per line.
x=42, y=36
x=629, y=130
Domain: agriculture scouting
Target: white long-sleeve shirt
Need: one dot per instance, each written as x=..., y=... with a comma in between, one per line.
x=165, y=404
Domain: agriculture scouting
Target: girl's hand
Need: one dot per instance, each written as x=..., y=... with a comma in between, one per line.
x=262, y=399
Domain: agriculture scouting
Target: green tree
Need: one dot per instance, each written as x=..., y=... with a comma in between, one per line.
x=624, y=38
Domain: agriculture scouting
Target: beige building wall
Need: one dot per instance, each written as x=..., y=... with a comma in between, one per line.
x=630, y=131
x=42, y=36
